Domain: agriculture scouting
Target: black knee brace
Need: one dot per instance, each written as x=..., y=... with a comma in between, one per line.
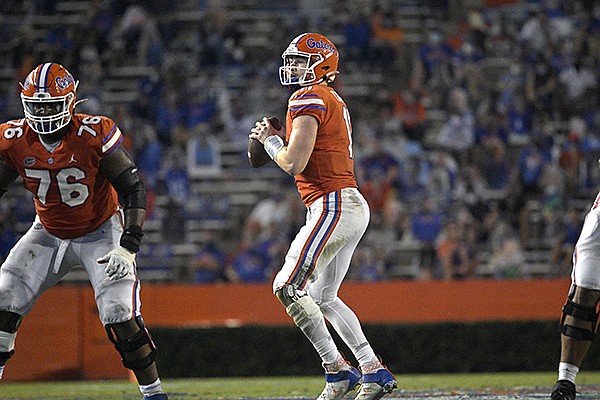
x=581, y=313
x=9, y=323
x=127, y=346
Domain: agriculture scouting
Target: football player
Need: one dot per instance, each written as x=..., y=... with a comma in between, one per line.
x=317, y=152
x=579, y=321
x=76, y=169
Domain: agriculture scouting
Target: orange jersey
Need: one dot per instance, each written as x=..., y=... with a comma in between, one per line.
x=331, y=164
x=71, y=195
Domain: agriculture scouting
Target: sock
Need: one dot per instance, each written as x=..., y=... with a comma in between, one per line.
x=316, y=331
x=347, y=325
x=567, y=372
x=365, y=354
x=336, y=366
x=371, y=367
x=151, y=389
x=1, y=370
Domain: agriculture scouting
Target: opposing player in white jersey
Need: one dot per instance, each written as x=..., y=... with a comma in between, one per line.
x=579, y=321
x=319, y=155
x=75, y=168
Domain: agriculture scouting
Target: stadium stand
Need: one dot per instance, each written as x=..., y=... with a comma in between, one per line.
x=194, y=70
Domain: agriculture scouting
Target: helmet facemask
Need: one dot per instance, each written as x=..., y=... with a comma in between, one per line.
x=47, y=124
x=293, y=74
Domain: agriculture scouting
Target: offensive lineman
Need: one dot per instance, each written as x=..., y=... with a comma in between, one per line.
x=75, y=168
x=319, y=156
x=579, y=321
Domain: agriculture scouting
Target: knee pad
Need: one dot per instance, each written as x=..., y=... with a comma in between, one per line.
x=128, y=347
x=298, y=304
x=584, y=315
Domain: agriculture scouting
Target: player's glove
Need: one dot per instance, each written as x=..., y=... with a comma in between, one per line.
x=119, y=262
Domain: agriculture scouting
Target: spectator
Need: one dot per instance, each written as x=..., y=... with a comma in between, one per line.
x=368, y=264
x=432, y=65
x=563, y=244
x=426, y=226
x=507, y=254
x=270, y=213
x=358, y=35
x=541, y=82
x=412, y=182
x=238, y=123
x=570, y=159
x=388, y=36
x=537, y=34
x=248, y=265
x=148, y=151
x=456, y=251
x=442, y=177
x=553, y=200
x=577, y=82
x=411, y=111
x=457, y=135
x=490, y=126
x=470, y=192
x=495, y=166
x=377, y=174
x=531, y=162
x=477, y=27
x=138, y=34
x=208, y=264
x=519, y=116
x=467, y=70
x=510, y=83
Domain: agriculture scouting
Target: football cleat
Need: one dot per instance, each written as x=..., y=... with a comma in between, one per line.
x=339, y=383
x=563, y=390
x=159, y=396
x=376, y=385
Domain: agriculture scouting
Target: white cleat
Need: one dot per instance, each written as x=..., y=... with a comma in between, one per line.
x=339, y=383
x=376, y=385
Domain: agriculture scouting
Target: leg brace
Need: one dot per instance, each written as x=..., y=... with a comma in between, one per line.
x=127, y=347
x=8, y=333
x=586, y=316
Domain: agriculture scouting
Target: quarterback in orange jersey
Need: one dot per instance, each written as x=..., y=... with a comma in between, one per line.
x=319, y=155
x=76, y=169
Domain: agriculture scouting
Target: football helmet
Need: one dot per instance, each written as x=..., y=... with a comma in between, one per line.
x=48, y=96
x=319, y=53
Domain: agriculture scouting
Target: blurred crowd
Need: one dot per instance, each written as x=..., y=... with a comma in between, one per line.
x=476, y=124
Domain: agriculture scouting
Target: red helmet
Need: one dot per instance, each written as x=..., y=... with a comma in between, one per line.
x=319, y=53
x=48, y=85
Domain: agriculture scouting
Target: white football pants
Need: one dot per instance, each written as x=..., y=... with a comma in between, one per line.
x=317, y=262
x=39, y=260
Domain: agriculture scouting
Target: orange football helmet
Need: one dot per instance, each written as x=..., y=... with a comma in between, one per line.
x=321, y=58
x=48, y=96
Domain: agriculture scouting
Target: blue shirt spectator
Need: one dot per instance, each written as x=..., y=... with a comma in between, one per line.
x=250, y=266
x=208, y=265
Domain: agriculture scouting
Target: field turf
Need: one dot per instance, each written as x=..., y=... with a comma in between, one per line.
x=498, y=386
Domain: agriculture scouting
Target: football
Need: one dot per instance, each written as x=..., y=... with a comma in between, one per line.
x=256, y=151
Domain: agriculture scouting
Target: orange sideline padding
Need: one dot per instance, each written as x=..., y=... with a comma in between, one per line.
x=62, y=338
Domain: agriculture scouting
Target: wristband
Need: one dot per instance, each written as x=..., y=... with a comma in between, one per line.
x=272, y=145
x=131, y=238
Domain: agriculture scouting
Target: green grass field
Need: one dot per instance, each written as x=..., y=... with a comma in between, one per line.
x=438, y=386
